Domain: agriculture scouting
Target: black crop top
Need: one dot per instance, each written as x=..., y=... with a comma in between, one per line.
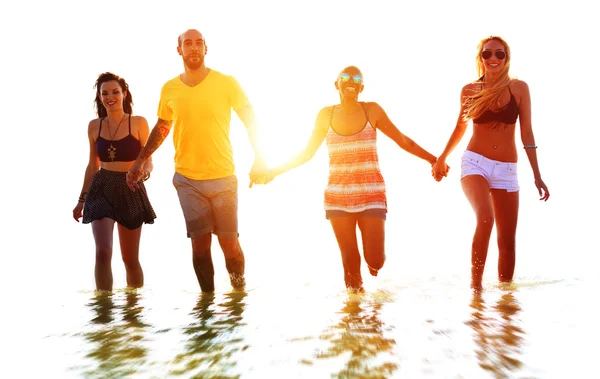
x=123, y=150
x=507, y=115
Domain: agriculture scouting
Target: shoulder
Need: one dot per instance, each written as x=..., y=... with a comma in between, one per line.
x=372, y=105
x=519, y=86
x=94, y=124
x=471, y=88
x=325, y=112
x=171, y=83
x=136, y=118
x=139, y=121
x=373, y=109
x=222, y=77
x=93, y=127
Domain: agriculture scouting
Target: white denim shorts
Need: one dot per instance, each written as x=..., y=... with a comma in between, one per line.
x=499, y=175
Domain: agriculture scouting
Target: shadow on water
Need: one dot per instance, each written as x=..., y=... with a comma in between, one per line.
x=360, y=334
x=214, y=338
x=497, y=337
x=116, y=339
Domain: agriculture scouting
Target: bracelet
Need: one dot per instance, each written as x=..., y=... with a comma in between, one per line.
x=146, y=175
x=530, y=147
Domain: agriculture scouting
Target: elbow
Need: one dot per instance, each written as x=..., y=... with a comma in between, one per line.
x=306, y=156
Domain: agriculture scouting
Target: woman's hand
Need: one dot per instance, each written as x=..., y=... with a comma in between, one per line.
x=78, y=211
x=439, y=169
x=134, y=174
x=542, y=189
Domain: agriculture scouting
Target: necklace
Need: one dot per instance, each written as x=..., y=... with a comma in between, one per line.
x=112, y=151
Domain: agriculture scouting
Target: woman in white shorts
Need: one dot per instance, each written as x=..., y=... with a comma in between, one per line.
x=489, y=165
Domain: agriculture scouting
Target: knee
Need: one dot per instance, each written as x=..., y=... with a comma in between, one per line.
x=201, y=247
x=485, y=222
x=103, y=255
x=131, y=263
x=231, y=248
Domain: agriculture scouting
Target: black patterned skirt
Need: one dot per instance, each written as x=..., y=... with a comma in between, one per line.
x=109, y=196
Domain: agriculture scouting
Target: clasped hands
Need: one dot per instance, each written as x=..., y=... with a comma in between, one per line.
x=439, y=169
x=260, y=174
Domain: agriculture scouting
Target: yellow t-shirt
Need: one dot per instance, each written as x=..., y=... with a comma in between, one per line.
x=202, y=116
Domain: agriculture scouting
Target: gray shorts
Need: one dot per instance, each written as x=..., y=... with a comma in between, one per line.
x=209, y=206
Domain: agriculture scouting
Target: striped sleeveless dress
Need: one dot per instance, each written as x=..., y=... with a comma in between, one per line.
x=355, y=182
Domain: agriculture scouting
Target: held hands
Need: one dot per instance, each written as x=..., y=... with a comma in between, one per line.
x=258, y=172
x=136, y=174
x=439, y=170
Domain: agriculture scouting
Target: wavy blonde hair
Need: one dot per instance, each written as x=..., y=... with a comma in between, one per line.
x=488, y=97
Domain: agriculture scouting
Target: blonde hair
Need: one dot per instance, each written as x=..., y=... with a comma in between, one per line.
x=488, y=97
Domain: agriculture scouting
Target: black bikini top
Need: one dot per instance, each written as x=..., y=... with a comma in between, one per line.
x=507, y=114
x=123, y=150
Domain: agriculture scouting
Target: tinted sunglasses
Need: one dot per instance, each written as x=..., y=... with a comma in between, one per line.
x=355, y=78
x=487, y=54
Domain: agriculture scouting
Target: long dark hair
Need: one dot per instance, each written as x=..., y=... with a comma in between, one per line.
x=107, y=77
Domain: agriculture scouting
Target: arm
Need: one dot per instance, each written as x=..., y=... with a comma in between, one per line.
x=158, y=134
x=383, y=123
x=528, y=139
x=440, y=166
x=246, y=115
x=143, y=133
x=316, y=139
x=91, y=169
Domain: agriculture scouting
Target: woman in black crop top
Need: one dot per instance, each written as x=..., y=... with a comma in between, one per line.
x=488, y=167
x=115, y=139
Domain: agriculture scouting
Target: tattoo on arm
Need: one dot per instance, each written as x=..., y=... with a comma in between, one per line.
x=158, y=134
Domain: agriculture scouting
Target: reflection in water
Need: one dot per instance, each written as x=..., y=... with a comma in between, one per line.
x=214, y=337
x=360, y=334
x=117, y=347
x=497, y=337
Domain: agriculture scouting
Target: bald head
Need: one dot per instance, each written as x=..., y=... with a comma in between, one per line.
x=352, y=70
x=190, y=34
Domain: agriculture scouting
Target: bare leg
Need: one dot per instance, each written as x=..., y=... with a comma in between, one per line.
x=373, y=237
x=506, y=212
x=129, y=240
x=103, y=235
x=345, y=233
x=477, y=191
x=203, y=265
x=234, y=260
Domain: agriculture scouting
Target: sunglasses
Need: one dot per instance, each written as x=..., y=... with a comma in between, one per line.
x=355, y=78
x=487, y=54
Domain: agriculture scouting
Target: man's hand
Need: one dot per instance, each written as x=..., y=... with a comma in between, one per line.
x=134, y=174
x=259, y=172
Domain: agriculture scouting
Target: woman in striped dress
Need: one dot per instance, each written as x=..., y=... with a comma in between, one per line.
x=355, y=194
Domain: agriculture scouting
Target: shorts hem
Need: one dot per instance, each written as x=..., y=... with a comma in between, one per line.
x=227, y=234
x=196, y=234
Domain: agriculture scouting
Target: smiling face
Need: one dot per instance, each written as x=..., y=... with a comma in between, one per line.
x=496, y=51
x=192, y=49
x=493, y=57
x=112, y=95
x=350, y=82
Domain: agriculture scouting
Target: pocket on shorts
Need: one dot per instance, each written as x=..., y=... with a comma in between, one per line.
x=467, y=165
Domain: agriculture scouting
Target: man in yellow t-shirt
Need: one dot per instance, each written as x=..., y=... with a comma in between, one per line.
x=198, y=104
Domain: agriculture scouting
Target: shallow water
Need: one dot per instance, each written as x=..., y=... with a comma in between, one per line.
x=532, y=329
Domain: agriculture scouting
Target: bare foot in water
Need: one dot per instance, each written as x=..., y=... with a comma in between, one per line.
x=476, y=286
